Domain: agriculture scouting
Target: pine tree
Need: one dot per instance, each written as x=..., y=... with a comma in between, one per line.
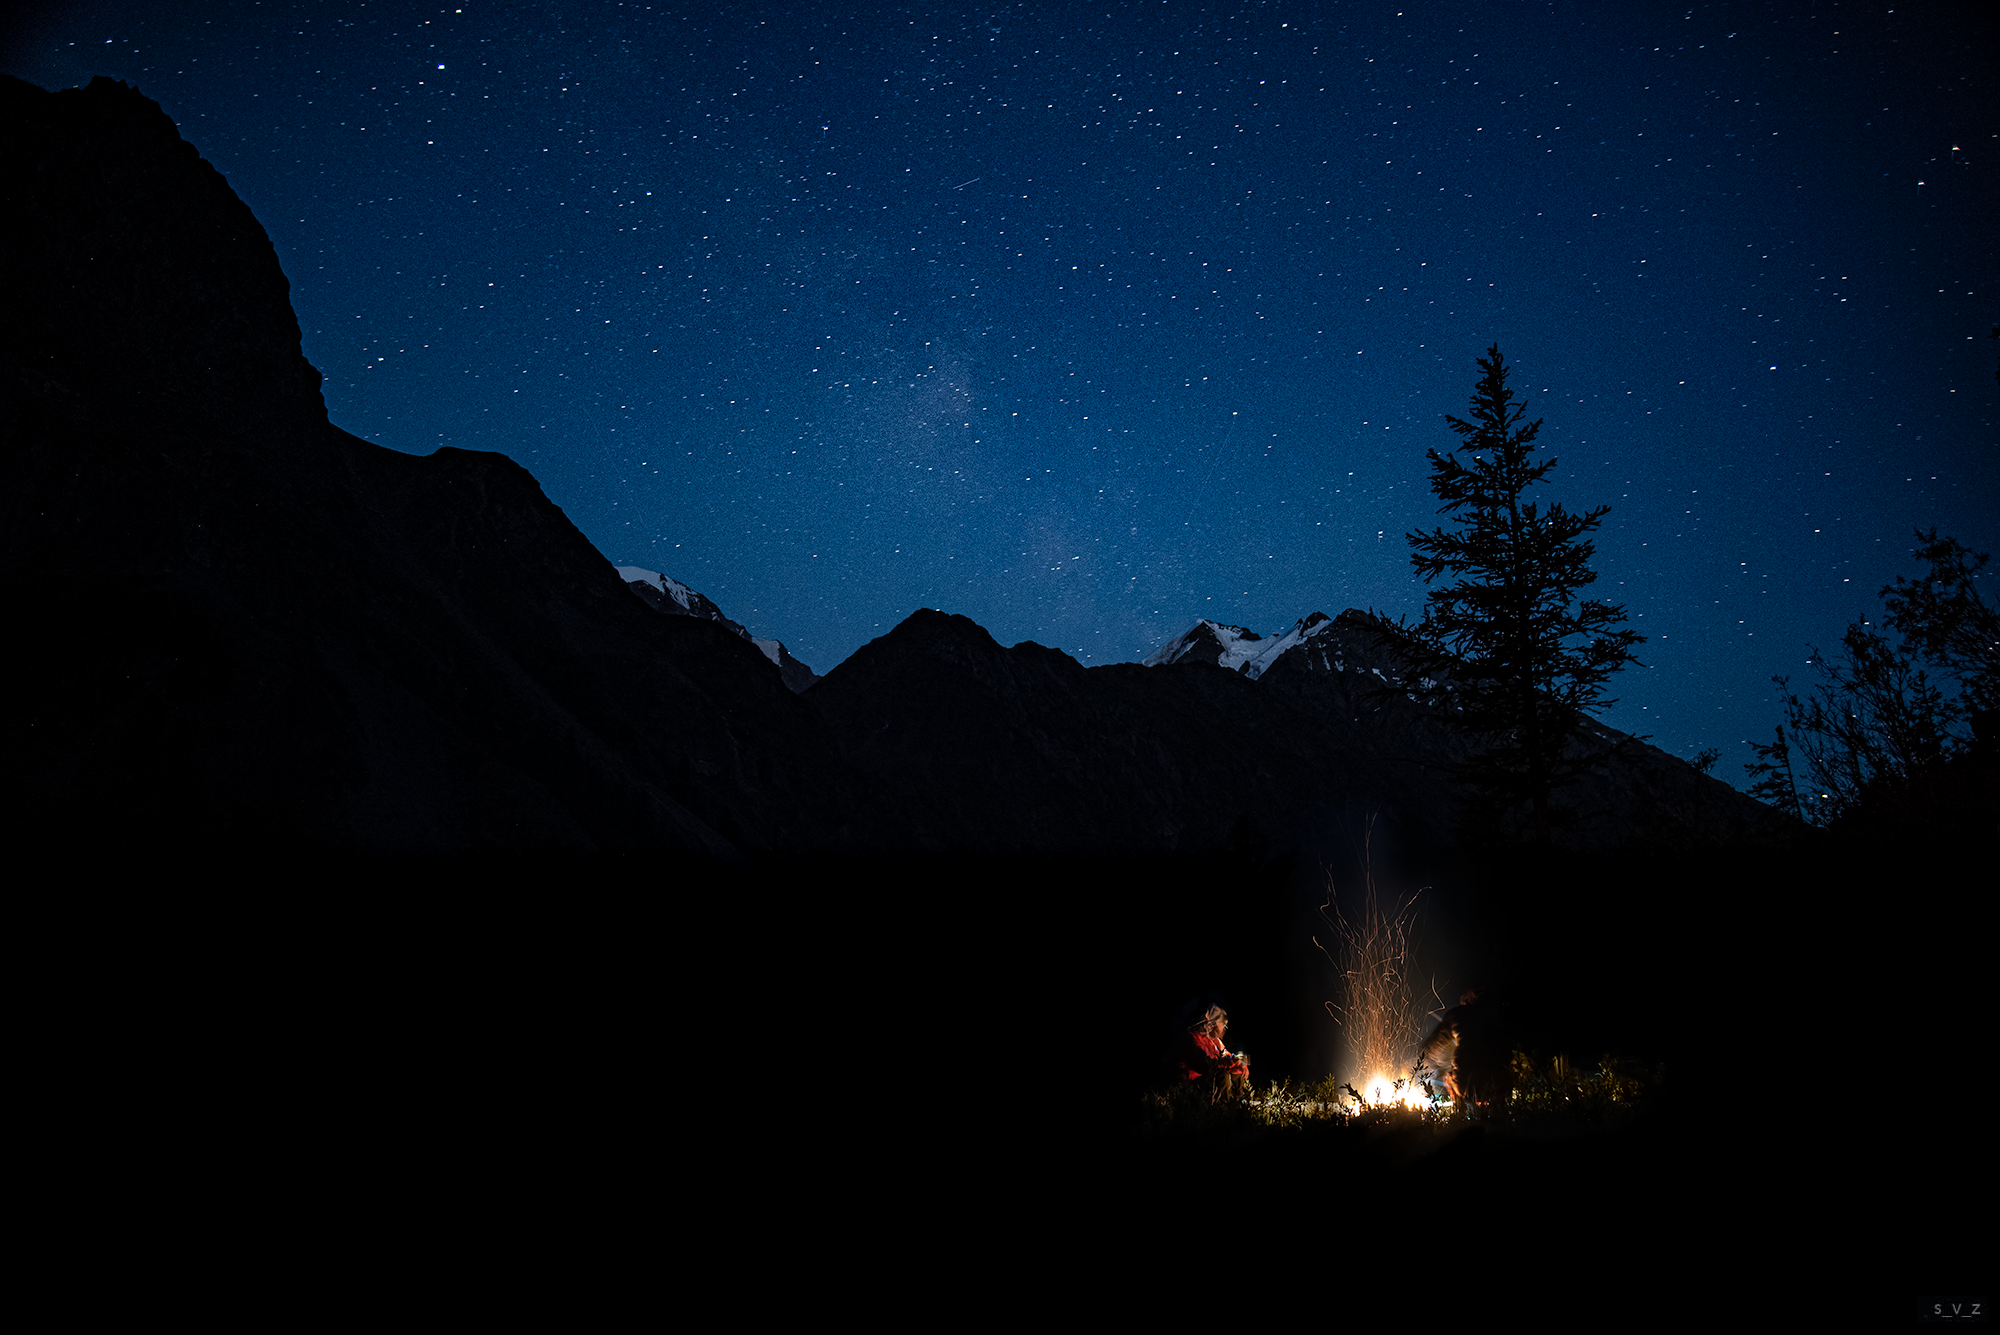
x=1522, y=661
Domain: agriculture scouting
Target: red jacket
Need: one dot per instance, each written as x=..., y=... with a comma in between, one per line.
x=1209, y=1057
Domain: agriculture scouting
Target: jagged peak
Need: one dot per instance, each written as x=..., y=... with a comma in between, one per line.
x=1206, y=642
x=1245, y=651
x=119, y=196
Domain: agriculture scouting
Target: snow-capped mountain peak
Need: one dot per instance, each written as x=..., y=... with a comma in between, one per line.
x=1234, y=647
x=1317, y=643
x=1209, y=642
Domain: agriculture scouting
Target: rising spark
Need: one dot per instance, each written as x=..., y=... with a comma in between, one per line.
x=1377, y=1010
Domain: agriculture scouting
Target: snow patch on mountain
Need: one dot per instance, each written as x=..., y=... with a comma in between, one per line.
x=1245, y=651
x=672, y=588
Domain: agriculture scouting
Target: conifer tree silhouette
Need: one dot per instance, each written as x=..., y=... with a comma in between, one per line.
x=1519, y=661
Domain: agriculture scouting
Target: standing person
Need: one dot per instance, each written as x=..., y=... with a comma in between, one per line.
x=1470, y=1038
x=1202, y=1056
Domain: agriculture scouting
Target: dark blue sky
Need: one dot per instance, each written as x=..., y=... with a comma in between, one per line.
x=1089, y=320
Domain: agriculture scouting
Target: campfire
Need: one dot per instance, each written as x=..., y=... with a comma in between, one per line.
x=1377, y=1007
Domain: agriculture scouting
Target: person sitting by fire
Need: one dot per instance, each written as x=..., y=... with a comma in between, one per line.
x=1202, y=1056
x=1469, y=1047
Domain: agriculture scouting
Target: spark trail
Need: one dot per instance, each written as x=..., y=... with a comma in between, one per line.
x=1377, y=1008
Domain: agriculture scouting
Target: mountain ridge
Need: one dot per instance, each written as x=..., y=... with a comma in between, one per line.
x=442, y=664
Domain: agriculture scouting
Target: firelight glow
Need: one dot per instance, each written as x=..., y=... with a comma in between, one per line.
x=1381, y=1092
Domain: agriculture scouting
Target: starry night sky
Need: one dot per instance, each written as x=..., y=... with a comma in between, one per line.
x=1089, y=320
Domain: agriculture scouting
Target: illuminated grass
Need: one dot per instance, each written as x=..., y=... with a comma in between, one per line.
x=1551, y=1096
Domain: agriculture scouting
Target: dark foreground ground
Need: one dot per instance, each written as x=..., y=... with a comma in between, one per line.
x=882, y=1069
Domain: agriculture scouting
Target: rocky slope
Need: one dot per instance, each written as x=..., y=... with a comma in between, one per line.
x=669, y=596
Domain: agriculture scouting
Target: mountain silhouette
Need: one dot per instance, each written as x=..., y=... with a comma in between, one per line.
x=239, y=626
